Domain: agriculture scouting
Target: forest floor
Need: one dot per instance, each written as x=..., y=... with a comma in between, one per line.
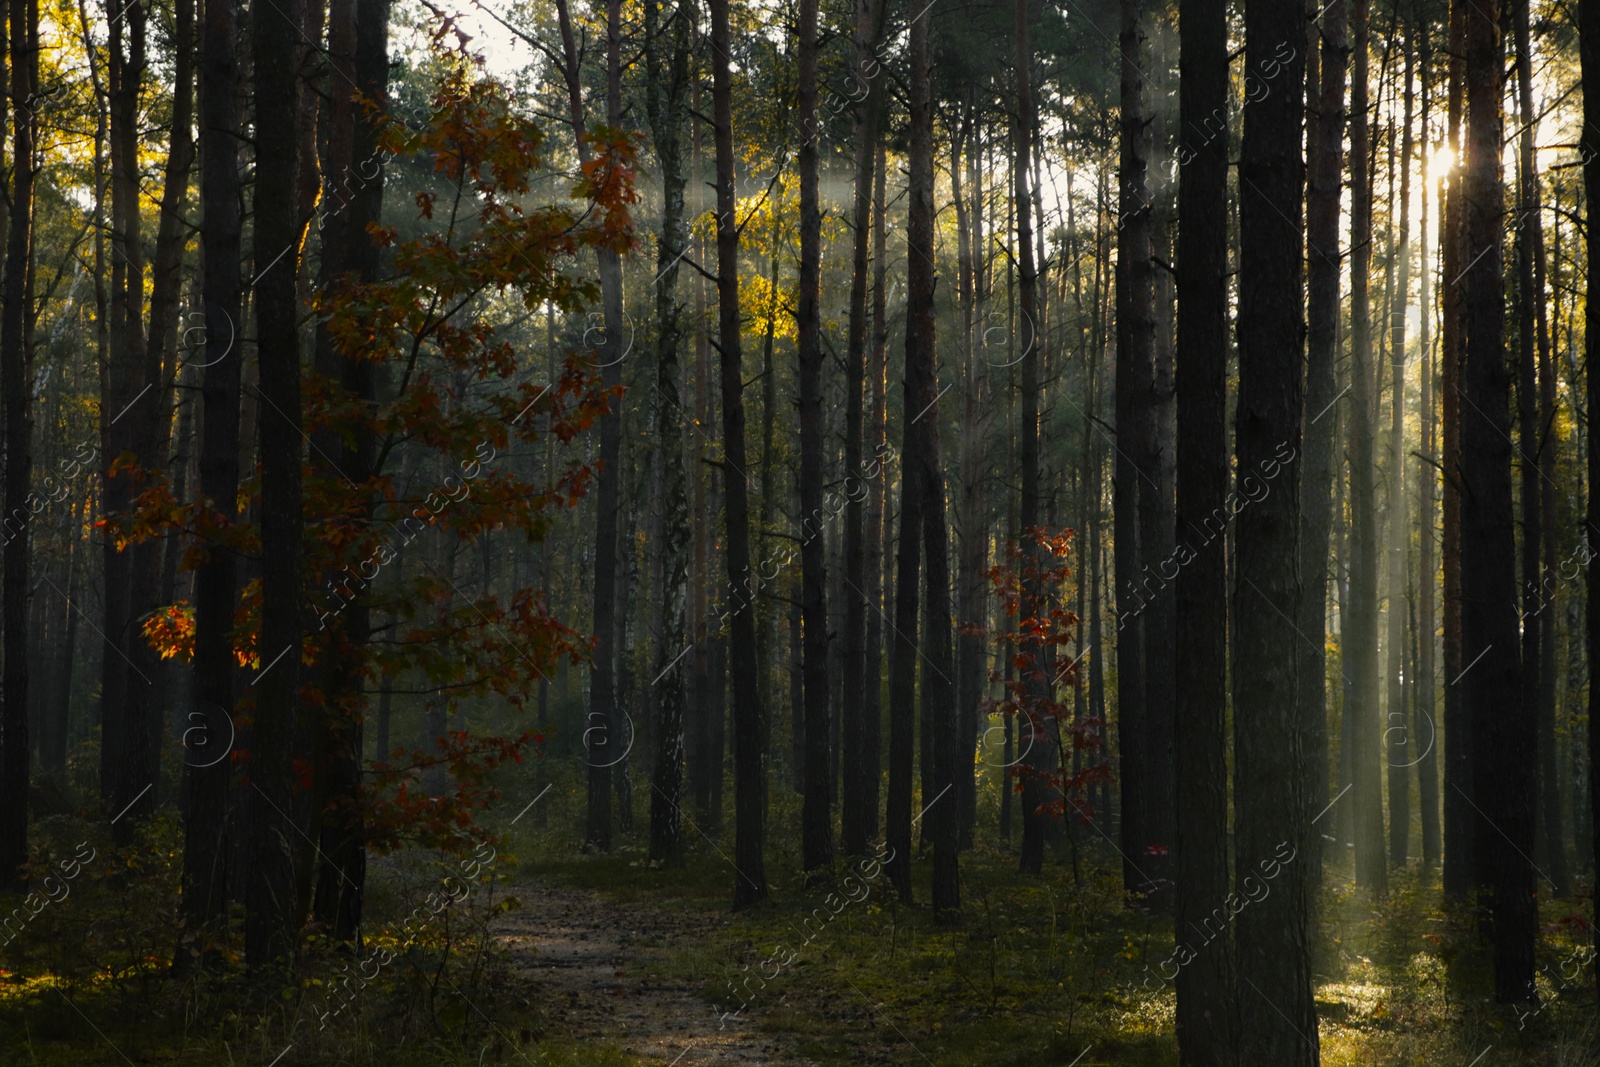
x=605, y=960
x=589, y=960
x=1055, y=970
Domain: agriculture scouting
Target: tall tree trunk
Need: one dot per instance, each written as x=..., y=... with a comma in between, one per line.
x=1033, y=730
x=119, y=691
x=149, y=437
x=206, y=773
x=1502, y=730
x=1527, y=408
x=1324, y=171
x=1361, y=631
x=972, y=612
x=15, y=379
x=271, y=922
x=1589, y=50
x=858, y=822
x=602, y=683
x=1158, y=502
x=1425, y=724
x=668, y=97
x=358, y=46
x=700, y=756
x=749, y=724
x=1459, y=819
x=1542, y=697
x=1274, y=957
x=623, y=722
x=1205, y=987
x=1134, y=385
x=816, y=818
x=53, y=746
x=1398, y=736
x=922, y=463
x=903, y=649
x=880, y=526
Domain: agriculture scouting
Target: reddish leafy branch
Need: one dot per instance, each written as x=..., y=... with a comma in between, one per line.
x=464, y=411
x=1031, y=588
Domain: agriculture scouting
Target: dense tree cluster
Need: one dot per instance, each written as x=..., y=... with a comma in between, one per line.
x=391, y=396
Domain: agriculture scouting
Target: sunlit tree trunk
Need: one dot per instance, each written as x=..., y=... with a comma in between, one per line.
x=1425, y=724
x=1399, y=738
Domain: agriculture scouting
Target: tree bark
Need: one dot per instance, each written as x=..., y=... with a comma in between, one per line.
x=1033, y=737
x=1135, y=376
x=121, y=740
x=922, y=463
x=668, y=98
x=358, y=46
x=1398, y=736
x=749, y=724
x=1274, y=957
x=1205, y=987
x=1323, y=180
x=1459, y=820
x=972, y=670
x=602, y=679
x=880, y=526
x=1360, y=658
x=1502, y=728
x=206, y=774
x=271, y=920
x=1538, y=441
x=857, y=823
x=1426, y=691
x=1589, y=53
x=903, y=650
x=816, y=816
x=15, y=380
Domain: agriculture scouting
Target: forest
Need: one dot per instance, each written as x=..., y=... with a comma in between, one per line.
x=495, y=492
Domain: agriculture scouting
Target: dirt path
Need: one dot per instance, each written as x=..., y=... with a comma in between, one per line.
x=575, y=948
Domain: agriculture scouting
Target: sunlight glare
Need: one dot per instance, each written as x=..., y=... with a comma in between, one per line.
x=1442, y=163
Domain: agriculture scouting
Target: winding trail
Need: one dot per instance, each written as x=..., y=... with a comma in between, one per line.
x=576, y=949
